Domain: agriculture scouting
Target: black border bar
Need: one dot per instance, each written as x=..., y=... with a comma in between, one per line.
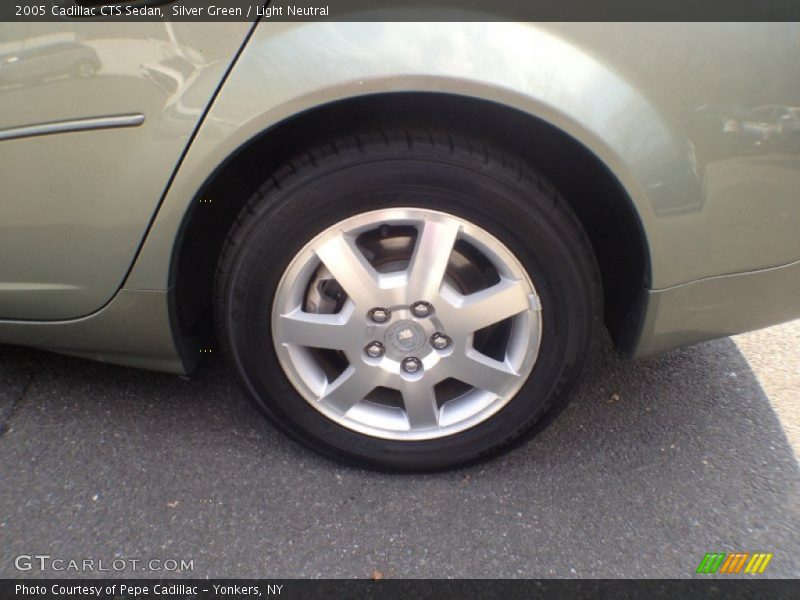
x=398, y=589
x=401, y=10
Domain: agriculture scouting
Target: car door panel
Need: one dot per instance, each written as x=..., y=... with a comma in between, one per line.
x=94, y=120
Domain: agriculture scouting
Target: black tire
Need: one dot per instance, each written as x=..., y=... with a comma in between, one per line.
x=462, y=176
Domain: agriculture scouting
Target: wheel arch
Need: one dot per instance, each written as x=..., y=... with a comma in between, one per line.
x=601, y=202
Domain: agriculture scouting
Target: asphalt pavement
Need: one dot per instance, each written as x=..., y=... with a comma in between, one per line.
x=653, y=464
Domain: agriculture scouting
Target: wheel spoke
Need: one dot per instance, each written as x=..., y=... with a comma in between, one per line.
x=315, y=330
x=480, y=371
x=347, y=390
x=420, y=404
x=487, y=307
x=431, y=255
x=351, y=269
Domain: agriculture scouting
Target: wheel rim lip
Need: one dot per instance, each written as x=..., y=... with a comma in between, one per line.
x=295, y=279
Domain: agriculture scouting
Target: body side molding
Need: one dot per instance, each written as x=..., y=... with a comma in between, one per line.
x=72, y=126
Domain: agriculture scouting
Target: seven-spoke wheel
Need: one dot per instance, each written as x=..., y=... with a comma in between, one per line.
x=456, y=334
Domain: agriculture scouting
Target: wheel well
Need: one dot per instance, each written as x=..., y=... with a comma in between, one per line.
x=600, y=202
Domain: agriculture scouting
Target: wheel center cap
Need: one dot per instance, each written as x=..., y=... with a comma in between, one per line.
x=405, y=337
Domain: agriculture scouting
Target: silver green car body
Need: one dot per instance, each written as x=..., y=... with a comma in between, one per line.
x=99, y=171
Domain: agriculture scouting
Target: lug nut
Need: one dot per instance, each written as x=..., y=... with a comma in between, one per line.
x=440, y=341
x=374, y=349
x=379, y=315
x=421, y=309
x=411, y=364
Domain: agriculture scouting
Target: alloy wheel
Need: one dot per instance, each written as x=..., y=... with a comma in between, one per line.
x=406, y=324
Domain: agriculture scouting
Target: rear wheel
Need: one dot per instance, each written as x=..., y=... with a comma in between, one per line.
x=408, y=300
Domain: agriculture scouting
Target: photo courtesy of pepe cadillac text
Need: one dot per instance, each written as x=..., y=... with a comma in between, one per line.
x=143, y=590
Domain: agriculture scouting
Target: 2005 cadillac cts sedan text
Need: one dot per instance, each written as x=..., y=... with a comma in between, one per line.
x=407, y=237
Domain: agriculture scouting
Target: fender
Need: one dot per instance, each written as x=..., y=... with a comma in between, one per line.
x=291, y=67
